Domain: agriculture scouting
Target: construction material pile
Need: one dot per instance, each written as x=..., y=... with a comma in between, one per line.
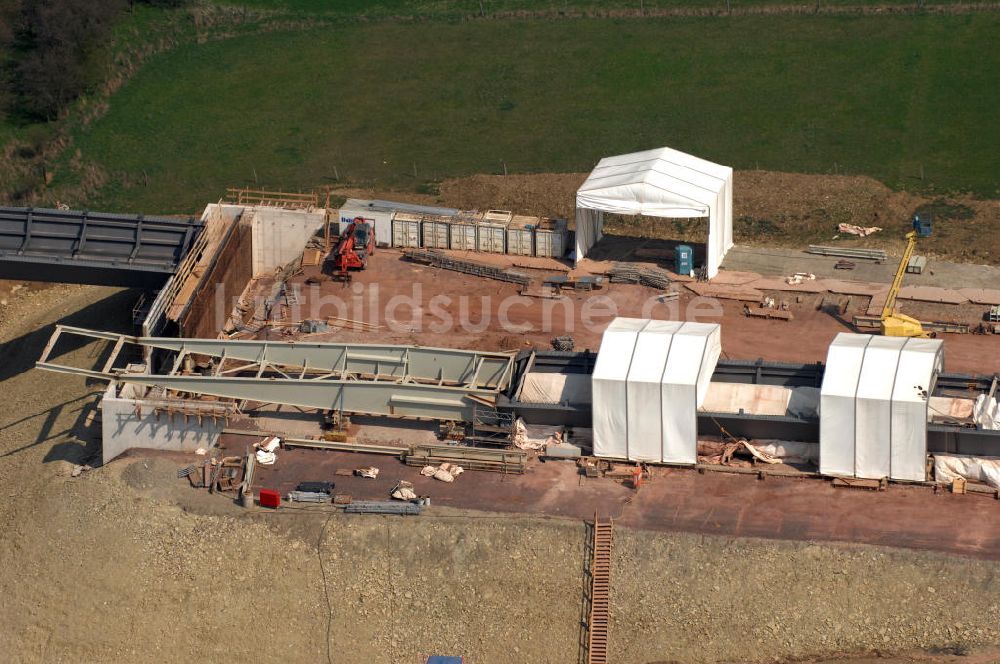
x=436, y=258
x=446, y=472
x=635, y=273
x=564, y=343
x=877, y=255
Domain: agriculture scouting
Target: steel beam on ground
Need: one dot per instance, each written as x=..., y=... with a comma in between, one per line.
x=374, y=380
x=351, y=396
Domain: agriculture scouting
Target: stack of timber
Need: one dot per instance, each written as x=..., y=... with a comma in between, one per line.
x=877, y=255
x=767, y=312
x=381, y=507
x=436, y=258
x=470, y=458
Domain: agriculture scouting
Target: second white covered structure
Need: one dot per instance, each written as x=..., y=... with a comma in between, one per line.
x=649, y=380
x=874, y=406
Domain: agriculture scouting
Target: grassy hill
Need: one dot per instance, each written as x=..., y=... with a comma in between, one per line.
x=403, y=103
x=460, y=8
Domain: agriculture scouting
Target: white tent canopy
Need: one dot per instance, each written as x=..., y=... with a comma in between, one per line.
x=658, y=183
x=873, y=406
x=649, y=380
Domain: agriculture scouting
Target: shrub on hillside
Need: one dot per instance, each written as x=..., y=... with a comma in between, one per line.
x=58, y=46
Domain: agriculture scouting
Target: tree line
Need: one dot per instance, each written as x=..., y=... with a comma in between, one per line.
x=52, y=51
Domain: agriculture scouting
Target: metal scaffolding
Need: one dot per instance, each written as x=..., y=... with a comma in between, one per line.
x=436, y=383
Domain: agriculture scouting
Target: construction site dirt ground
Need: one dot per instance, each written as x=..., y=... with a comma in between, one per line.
x=672, y=499
x=407, y=303
x=125, y=563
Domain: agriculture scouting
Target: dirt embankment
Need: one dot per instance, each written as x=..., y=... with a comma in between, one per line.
x=770, y=208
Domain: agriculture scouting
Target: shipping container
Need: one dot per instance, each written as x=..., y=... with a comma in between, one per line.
x=435, y=232
x=521, y=235
x=551, y=237
x=462, y=236
x=491, y=237
x=406, y=230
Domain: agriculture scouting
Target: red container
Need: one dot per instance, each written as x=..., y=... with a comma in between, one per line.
x=269, y=498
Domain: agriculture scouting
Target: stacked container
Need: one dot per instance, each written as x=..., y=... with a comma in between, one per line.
x=435, y=232
x=463, y=232
x=491, y=233
x=406, y=230
x=551, y=237
x=521, y=235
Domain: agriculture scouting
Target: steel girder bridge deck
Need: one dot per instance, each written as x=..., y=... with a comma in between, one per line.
x=99, y=248
x=413, y=381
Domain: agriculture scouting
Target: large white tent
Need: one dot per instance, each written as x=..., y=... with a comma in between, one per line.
x=658, y=183
x=873, y=406
x=649, y=380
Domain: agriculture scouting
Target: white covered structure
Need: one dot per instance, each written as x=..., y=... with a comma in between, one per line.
x=658, y=183
x=874, y=406
x=649, y=380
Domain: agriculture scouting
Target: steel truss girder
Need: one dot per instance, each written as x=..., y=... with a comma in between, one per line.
x=364, y=378
x=352, y=396
x=448, y=365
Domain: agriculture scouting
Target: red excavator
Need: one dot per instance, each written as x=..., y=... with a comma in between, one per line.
x=356, y=244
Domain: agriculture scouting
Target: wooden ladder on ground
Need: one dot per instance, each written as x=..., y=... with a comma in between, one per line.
x=600, y=592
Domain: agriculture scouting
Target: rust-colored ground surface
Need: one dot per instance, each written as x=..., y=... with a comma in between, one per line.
x=416, y=304
x=674, y=499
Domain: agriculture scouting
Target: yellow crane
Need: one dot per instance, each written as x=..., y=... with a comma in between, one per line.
x=893, y=323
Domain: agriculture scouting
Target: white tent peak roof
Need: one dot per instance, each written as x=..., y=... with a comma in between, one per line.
x=663, y=177
x=645, y=158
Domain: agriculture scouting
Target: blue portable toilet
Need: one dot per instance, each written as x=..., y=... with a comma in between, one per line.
x=443, y=659
x=684, y=259
x=922, y=224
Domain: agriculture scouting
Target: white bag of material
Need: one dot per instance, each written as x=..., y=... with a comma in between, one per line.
x=991, y=474
x=443, y=475
x=789, y=450
x=948, y=467
x=271, y=444
x=266, y=458
x=428, y=471
x=534, y=436
x=404, y=493
x=985, y=414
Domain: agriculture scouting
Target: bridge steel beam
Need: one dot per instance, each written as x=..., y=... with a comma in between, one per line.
x=436, y=383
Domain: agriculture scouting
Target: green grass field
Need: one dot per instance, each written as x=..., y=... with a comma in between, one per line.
x=889, y=97
x=454, y=8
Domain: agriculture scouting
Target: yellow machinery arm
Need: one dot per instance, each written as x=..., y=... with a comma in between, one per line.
x=890, y=301
x=893, y=323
